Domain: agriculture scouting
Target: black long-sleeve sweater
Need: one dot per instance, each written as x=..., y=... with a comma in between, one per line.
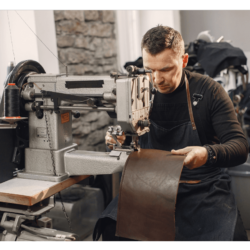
x=220, y=126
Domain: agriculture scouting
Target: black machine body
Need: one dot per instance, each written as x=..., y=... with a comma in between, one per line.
x=14, y=139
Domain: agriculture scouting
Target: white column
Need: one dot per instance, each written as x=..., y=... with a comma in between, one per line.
x=128, y=43
x=46, y=31
x=25, y=43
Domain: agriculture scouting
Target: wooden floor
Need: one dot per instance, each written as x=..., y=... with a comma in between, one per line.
x=29, y=192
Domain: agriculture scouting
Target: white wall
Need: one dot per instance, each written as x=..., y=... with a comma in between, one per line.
x=25, y=43
x=46, y=31
x=151, y=18
x=133, y=24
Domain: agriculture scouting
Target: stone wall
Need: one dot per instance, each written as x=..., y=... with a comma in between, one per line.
x=86, y=42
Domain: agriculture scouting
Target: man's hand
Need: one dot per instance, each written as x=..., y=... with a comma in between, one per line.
x=195, y=156
x=109, y=139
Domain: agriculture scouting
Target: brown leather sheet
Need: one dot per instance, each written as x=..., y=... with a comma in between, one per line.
x=147, y=196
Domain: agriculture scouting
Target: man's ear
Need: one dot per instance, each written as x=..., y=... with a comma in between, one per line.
x=185, y=60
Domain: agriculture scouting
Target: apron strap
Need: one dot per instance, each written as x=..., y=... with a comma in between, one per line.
x=189, y=104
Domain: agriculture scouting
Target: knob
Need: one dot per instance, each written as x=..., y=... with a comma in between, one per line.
x=76, y=114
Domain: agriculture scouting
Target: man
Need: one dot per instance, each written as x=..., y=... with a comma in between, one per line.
x=208, y=134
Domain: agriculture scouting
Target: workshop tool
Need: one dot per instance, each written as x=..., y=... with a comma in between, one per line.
x=44, y=150
x=48, y=100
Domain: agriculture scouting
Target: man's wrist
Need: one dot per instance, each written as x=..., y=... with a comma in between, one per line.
x=211, y=159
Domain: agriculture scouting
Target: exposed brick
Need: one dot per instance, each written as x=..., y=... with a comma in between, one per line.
x=63, y=55
x=99, y=52
x=76, y=56
x=82, y=42
x=95, y=43
x=99, y=69
x=109, y=47
x=105, y=61
x=65, y=26
x=91, y=15
x=108, y=16
x=89, y=68
x=109, y=68
x=58, y=15
x=99, y=29
x=71, y=27
x=81, y=27
x=74, y=14
x=65, y=41
x=86, y=43
x=89, y=58
x=76, y=69
x=62, y=68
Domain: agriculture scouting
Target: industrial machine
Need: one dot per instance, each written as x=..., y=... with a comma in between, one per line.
x=40, y=150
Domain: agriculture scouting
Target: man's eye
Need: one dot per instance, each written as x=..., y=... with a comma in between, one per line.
x=166, y=70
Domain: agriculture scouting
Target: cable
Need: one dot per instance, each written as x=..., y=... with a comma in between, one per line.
x=11, y=38
x=41, y=41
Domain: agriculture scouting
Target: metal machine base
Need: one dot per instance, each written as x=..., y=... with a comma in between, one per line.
x=19, y=221
x=35, y=210
x=42, y=177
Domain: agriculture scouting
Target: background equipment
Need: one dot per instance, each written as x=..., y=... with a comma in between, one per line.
x=42, y=154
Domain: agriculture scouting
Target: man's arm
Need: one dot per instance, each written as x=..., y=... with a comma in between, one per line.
x=218, y=114
x=233, y=148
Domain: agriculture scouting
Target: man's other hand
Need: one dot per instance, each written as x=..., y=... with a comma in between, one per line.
x=109, y=139
x=195, y=156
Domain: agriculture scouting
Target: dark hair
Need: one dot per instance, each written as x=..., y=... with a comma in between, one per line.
x=160, y=38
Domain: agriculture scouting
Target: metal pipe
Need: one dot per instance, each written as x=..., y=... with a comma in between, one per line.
x=80, y=108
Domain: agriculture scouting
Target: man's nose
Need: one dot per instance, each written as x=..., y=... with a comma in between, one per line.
x=157, y=77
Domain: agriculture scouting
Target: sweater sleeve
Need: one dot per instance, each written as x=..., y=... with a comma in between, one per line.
x=233, y=147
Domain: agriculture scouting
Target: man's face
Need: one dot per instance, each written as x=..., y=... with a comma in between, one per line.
x=166, y=69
